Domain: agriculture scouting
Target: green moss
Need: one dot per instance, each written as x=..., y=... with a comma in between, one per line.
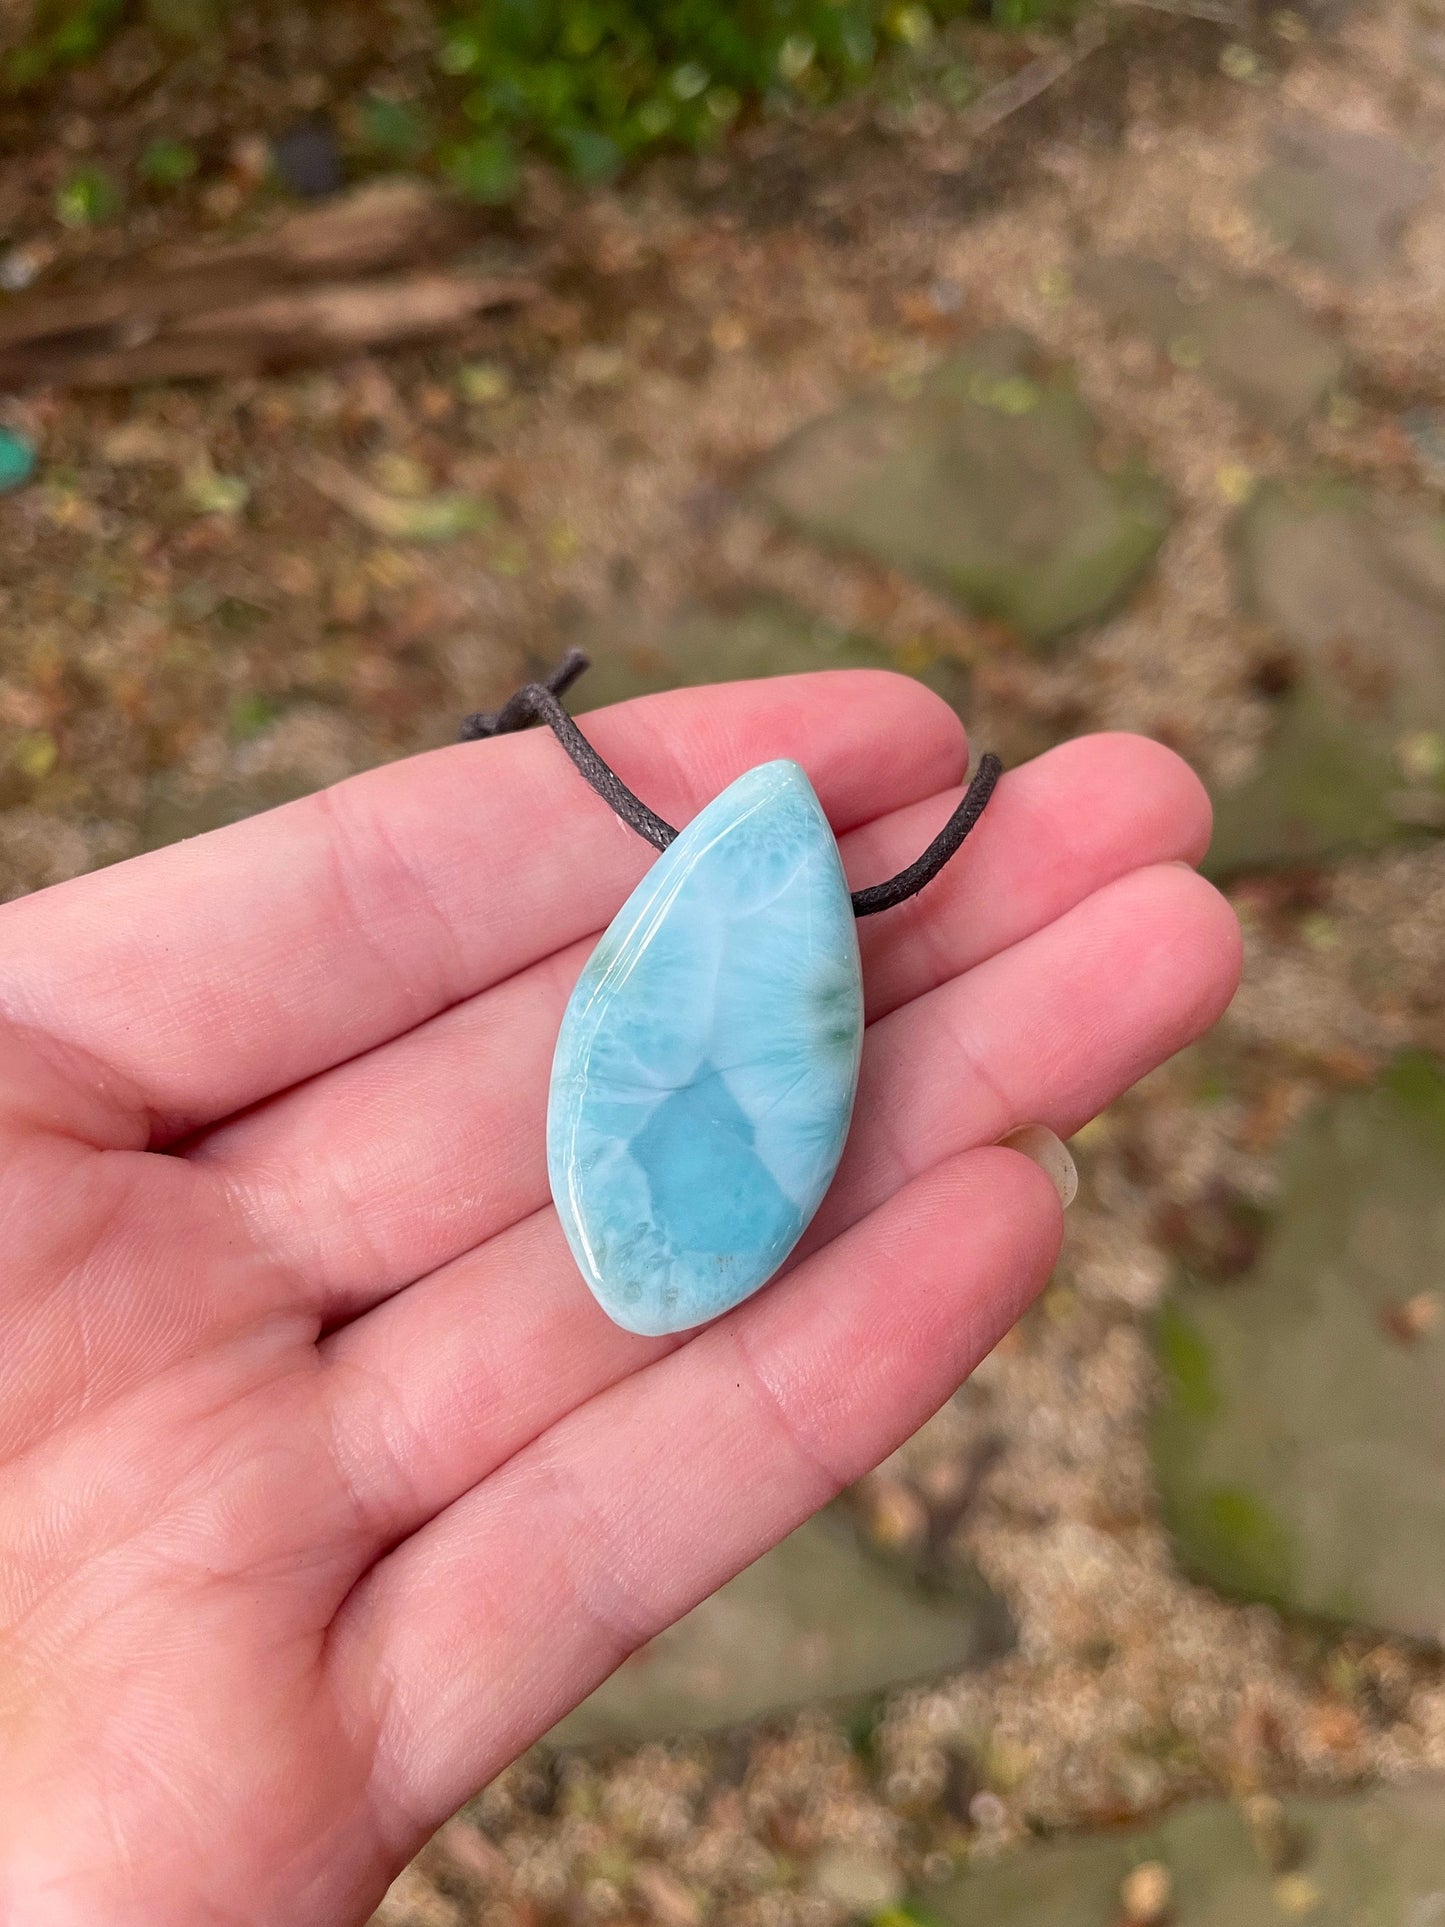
x=1323, y=785
x=168, y=163
x=1246, y=1547
x=1417, y=1081
x=1185, y=1358
x=592, y=84
x=394, y=131
x=249, y=715
x=87, y=198
x=63, y=33
x=1225, y=1533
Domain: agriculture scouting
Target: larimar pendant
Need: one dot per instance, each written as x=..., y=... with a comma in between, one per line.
x=708, y=1060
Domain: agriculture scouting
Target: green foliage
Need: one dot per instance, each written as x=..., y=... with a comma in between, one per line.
x=168, y=163
x=1418, y=1083
x=593, y=83
x=1247, y=1548
x=87, y=197
x=250, y=714
x=394, y=131
x=63, y=33
x=1187, y=1364
x=587, y=84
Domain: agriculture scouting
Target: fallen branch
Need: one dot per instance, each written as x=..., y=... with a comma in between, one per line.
x=1008, y=96
x=1219, y=13
x=323, y=284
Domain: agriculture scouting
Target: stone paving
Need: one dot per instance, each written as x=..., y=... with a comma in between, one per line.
x=981, y=478
x=1300, y=1442
x=1343, y=1863
x=823, y=1618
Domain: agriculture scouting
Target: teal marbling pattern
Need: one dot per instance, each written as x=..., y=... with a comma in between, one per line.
x=707, y=1062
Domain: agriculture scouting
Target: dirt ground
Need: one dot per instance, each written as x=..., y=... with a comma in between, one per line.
x=190, y=627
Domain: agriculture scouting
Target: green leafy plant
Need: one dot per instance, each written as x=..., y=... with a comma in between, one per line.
x=593, y=83
x=87, y=197
x=168, y=163
x=393, y=130
x=63, y=33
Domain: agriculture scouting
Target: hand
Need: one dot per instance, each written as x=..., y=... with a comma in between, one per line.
x=324, y=1486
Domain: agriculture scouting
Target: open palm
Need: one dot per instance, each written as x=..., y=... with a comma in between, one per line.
x=324, y=1485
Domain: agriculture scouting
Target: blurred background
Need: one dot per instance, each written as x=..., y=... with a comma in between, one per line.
x=1089, y=365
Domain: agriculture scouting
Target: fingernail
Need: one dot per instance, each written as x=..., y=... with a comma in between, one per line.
x=1038, y=1143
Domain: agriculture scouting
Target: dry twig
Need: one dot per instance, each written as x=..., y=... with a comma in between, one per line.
x=356, y=274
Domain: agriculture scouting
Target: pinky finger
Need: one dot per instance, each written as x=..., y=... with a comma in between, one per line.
x=476, y=1634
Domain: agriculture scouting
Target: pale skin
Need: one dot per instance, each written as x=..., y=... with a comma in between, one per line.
x=324, y=1486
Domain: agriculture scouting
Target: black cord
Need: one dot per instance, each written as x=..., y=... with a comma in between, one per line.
x=537, y=702
x=540, y=702
x=907, y=883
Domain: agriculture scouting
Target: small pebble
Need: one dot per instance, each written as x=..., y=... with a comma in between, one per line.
x=897, y=1517
x=1296, y=1894
x=309, y=161
x=17, y=459
x=864, y=1883
x=484, y=381
x=666, y=1896
x=18, y=268
x=987, y=1811
x=1146, y=1894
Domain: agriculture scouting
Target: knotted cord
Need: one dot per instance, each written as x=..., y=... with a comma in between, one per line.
x=540, y=702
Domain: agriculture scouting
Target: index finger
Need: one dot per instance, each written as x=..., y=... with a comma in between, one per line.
x=201, y=978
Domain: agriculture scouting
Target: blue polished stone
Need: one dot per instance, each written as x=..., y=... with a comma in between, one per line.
x=707, y=1062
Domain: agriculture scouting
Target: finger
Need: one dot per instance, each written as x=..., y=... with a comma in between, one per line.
x=203, y=977
x=1050, y=1032
x=397, y=1162
x=474, y=1636
x=1055, y=830
x=436, y=1388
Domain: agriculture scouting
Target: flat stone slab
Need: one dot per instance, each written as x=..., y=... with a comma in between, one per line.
x=1339, y=197
x=984, y=483
x=1300, y=1445
x=1425, y=428
x=1373, y=1860
x=1249, y=338
x=765, y=638
x=820, y=1618
x=1352, y=583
